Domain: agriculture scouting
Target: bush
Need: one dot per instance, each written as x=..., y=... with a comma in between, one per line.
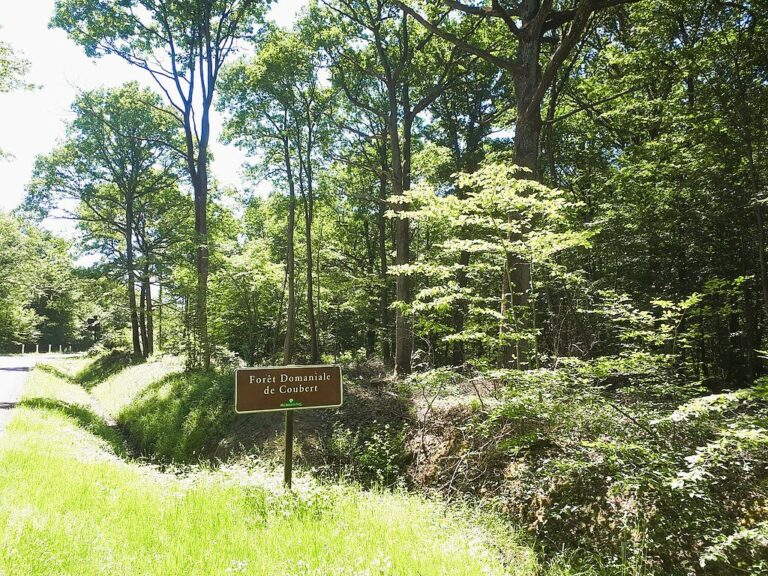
x=374, y=456
x=639, y=472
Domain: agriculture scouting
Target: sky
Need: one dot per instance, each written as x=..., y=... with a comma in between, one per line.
x=32, y=121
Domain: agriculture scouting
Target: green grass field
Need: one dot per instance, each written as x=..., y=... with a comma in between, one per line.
x=70, y=505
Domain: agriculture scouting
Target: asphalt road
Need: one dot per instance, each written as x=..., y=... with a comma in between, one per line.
x=13, y=372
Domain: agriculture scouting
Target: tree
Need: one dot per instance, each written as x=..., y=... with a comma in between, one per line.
x=521, y=28
x=182, y=45
x=115, y=161
x=464, y=117
x=402, y=71
x=278, y=104
x=12, y=69
x=41, y=298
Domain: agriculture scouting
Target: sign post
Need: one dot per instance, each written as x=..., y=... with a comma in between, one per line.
x=288, y=388
x=288, y=465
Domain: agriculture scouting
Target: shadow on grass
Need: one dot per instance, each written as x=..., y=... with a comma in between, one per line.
x=58, y=372
x=104, y=367
x=84, y=417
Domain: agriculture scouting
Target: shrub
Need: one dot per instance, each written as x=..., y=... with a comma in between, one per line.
x=374, y=456
x=636, y=471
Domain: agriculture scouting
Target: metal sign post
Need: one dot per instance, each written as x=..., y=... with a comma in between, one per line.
x=288, y=388
x=288, y=466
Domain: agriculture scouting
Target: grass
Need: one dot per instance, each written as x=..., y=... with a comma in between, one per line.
x=70, y=506
x=181, y=417
x=100, y=369
x=119, y=389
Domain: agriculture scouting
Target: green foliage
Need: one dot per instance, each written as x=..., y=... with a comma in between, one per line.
x=645, y=475
x=375, y=455
x=104, y=366
x=42, y=300
x=499, y=217
x=66, y=499
x=12, y=69
x=637, y=436
x=247, y=292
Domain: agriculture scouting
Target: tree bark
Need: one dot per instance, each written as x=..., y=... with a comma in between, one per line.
x=129, y=264
x=290, y=263
x=516, y=283
x=143, y=319
x=308, y=218
x=402, y=246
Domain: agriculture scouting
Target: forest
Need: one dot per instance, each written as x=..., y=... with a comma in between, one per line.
x=530, y=231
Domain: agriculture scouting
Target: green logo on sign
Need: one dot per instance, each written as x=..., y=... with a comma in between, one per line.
x=291, y=404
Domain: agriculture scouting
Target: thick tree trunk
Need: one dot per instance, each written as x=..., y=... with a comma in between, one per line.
x=404, y=338
x=402, y=245
x=516, y=284
x=197, y=166
x=202, y=265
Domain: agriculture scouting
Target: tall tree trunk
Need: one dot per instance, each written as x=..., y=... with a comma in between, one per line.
x=150, y=324
x=402, y=245
x=129, y=263
x=516, y=284
x=197, y=166
x=202, y=265
x=290, y=263
x=143, y=319
x=308, y=218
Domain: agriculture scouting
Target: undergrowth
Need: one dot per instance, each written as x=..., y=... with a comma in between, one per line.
x=618, y=460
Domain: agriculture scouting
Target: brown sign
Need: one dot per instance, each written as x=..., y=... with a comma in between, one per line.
x=287, y=388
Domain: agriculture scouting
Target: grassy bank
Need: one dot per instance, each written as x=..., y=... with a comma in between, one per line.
x=70, y=505
x=617, y=463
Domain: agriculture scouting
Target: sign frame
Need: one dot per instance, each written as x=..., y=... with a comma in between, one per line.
x=291, y=408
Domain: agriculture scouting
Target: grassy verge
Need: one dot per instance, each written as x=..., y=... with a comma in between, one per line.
x=69, y=505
